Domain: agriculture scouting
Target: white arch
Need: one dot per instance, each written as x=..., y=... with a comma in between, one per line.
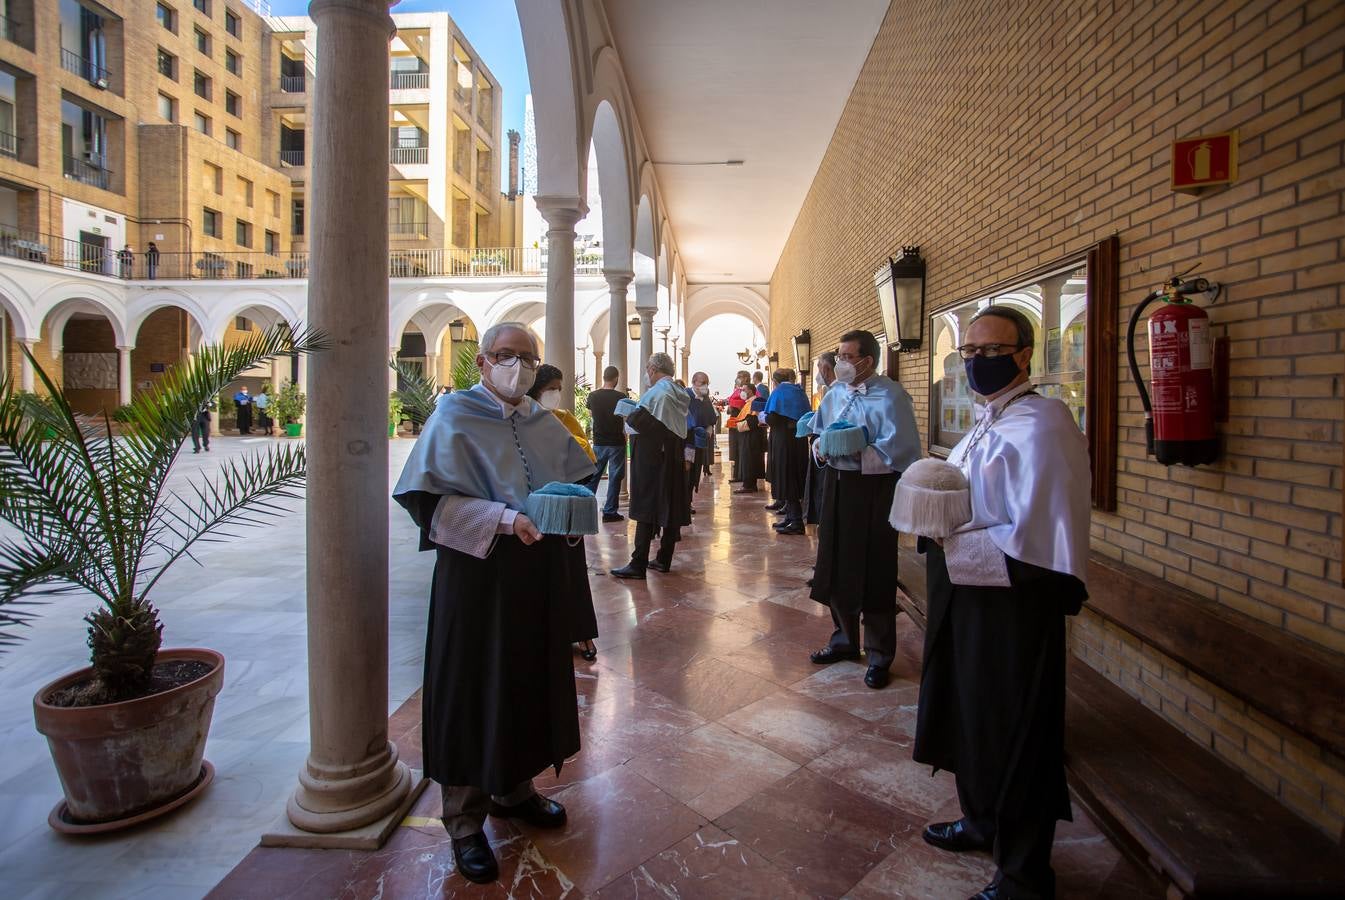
x=141, y=308
x=644, y=260
x=614, y=187
x=16, y=301
x=709, y=300
x=551, y=74
x=84, y=298
x=233, y=305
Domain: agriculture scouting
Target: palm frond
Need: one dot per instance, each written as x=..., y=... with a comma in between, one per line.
x=418, y=395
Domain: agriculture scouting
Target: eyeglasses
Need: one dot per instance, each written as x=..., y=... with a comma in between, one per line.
x=506, y=360
x=989, y=351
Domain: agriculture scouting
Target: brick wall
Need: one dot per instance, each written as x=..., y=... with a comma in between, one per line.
x=1001, y=156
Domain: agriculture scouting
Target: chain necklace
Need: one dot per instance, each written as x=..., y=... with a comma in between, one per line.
x=986, y=423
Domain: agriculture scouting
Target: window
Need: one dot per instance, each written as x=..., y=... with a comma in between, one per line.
x=233, y=24
x=202, y=6
x=166, y=17
x=212, y=178
x=233, y=104
x=232, y=62
x=201, y=123
x=242, y=233
x=202, y=41
x=273, y=203
x=167, y=64
x=200, y=83
x=210, y=222
x=167, y=108
x=272, y=243
x=232, y=138
x=297, y=216
x=245, y=190
x=242, y=323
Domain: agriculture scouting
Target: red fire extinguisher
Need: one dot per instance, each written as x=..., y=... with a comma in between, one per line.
x=1179, y=420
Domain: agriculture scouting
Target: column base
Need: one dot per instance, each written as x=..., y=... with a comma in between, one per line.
x=371, y=836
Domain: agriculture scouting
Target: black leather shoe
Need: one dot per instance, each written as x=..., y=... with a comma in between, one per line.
x=629, y=571
x=828, y=655
x=745, y=491
x=955, y=837
x=474, y=859
x=877, y=677
x=790, y=528
x=775, y=507
x=588, y=651
x=989, y=892
x=537, y=811
x=660, y=566
x=613, y=517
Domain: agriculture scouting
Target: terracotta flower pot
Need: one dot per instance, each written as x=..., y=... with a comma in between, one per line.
x=118, y=762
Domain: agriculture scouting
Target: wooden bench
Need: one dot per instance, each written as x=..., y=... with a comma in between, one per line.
x=1167, y=801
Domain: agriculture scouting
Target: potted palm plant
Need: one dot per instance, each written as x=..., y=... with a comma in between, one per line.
x=394, y=413
x=289, y=405
x=93, y=512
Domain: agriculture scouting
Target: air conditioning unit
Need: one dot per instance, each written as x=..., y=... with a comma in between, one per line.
x=101, y=83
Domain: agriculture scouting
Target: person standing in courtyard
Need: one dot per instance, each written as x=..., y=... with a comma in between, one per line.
x=498, y=705
x=262, y=402
x=243, y=400
x=992, y=690
x=788, y=458
x=200, y=429
x=812, y=493
x=701, y=418
x=734, y=404
x=152, y=260
x=856, y=572
x=126, y=257
x=658, y=502
x=609, y=441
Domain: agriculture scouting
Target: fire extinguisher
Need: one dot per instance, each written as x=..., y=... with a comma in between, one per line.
x=1179, y=420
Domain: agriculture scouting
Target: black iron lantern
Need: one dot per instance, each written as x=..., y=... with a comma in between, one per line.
x=456, y=329
x=901, y=296
x=633, y=328
x=803, y=350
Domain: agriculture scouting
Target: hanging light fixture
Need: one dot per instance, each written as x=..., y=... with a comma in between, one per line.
x=901, y=297
x=456, y=330
x=633, y=328
x=803, y=350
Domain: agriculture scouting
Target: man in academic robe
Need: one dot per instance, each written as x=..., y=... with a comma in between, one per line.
x=498, y=705
x=658, y=486
x=812, y=494
x=243, y=401
x=734, y=404
x=992, y=693
x=856, y=572
x=700, y=432
x=787, y=463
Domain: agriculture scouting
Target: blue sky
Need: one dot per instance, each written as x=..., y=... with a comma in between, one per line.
x=492, y=28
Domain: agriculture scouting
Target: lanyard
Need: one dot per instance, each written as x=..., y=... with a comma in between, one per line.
x=518, y=445
x=985, y=424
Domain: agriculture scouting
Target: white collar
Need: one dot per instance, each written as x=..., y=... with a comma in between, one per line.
x=996, y=406
x=522, y=407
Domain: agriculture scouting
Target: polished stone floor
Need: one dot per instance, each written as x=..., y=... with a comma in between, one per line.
x=717, y=760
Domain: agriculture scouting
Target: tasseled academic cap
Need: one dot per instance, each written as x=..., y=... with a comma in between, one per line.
x=843, y=438
x=805, y=425
x=625, y=406
x=933, y=499
x=560, y=508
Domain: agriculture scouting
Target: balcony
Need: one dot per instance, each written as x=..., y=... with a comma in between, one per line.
x=293, y=84
x=9, y=145
x=89, y=71
x=293, y=158
x=87, y=172
x=410, y=81
x=410, y=156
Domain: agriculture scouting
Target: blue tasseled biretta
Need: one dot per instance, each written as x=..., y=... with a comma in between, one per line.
x=842, y=438
x=560, y=508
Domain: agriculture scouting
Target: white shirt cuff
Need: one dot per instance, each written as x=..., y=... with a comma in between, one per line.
x=974, y=561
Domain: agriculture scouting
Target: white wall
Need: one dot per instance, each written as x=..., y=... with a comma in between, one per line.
x=78, y=217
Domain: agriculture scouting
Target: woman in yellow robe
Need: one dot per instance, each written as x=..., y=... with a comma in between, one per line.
x=545, y=390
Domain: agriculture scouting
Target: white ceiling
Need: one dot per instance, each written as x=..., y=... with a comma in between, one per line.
x=763, y=81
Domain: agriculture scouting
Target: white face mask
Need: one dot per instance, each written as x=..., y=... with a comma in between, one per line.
x=510, y=381
x=550, y=400
x=846, y=371
x=702, y=390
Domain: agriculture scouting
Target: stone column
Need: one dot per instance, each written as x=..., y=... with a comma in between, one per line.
x=597, y=367
x=352, y=781
x=617, y=285
x=27, y=377
x=646, y=343
x=124, y=374
x=561, y=214
x=686, y=365
x=432, y=368
x=392, y=373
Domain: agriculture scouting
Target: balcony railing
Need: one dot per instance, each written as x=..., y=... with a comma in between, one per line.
x=410, y=156
x=428, y=262
x=293, y=84
x=87, y=171
x=9, y=145
x=291, y=157
x=86, y=69
x=410, y=81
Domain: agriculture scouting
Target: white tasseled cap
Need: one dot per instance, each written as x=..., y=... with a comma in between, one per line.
x=933, y=499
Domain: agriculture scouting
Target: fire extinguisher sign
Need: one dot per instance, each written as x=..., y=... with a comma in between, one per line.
x=1204, y=161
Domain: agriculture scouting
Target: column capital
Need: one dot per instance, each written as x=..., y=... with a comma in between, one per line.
x=618, y=280
x=28, y=342
x=126, y=347
x=374, y=10
x=646, y=314
x=561, y=212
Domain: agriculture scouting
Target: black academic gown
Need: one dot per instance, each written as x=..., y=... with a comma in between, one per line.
x=787, y=462
x=992, y=702
x=583, y=618
x=751, y=450
x=499, y=704
x=856, y=547
x=659, y=491
x=812, y=492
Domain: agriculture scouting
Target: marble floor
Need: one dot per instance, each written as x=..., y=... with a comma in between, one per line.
x=717, y=760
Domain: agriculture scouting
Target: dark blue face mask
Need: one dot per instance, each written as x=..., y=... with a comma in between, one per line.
x=989, y=375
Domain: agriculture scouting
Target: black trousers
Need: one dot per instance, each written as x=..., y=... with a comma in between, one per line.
x=794, y=512
x=644, y=536
x=200, y=432
x=244, y=419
